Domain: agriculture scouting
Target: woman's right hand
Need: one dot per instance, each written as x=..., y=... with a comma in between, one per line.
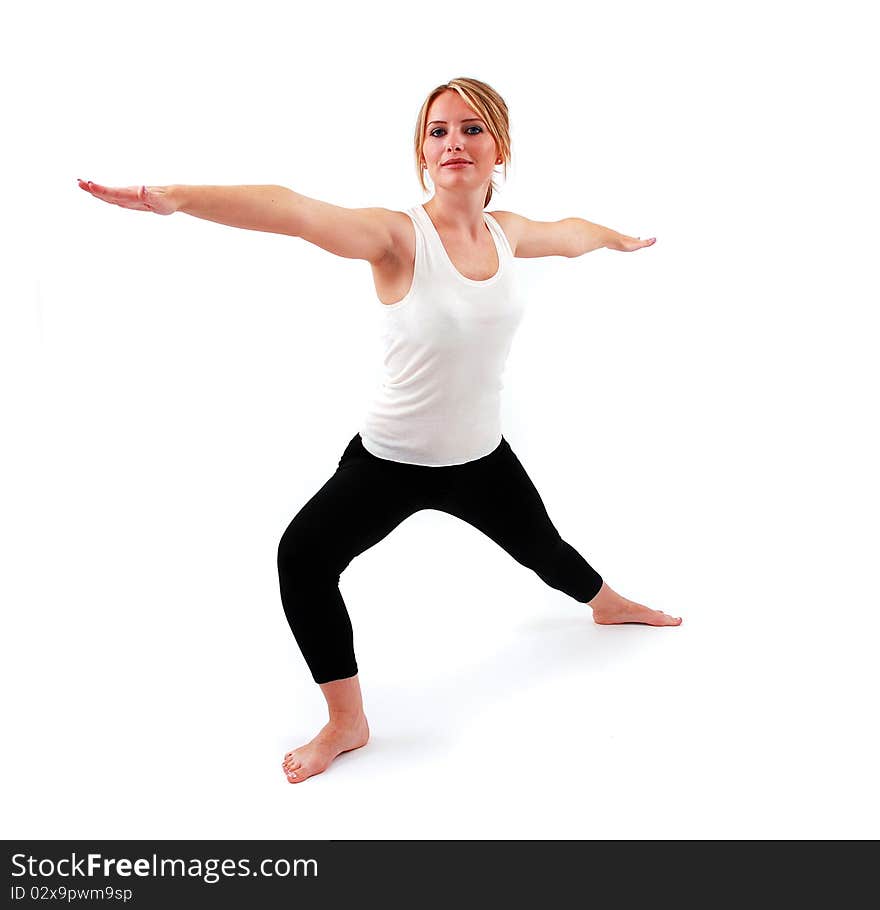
x=155, y=199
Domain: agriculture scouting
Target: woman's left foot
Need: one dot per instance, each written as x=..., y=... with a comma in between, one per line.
x=609, y=608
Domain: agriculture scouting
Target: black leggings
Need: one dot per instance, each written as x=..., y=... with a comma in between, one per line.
x=367, y=497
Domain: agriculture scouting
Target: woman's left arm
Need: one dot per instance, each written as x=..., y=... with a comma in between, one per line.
x=567, y=237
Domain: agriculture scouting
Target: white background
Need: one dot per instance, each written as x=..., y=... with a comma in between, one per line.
x=698, y=416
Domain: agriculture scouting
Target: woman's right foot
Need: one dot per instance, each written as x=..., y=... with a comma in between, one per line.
x=335, y=738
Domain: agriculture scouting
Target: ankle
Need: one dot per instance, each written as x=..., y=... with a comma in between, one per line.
x=346, y=718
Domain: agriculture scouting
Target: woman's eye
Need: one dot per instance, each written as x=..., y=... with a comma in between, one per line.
x=439, y=129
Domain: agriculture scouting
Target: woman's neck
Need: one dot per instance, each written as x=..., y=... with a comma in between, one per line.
x=457, y=214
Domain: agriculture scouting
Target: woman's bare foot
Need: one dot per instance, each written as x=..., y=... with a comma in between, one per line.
x=609, y=608
x=336, y=737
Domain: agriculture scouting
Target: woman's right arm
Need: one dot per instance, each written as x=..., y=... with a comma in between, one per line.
x=352, y=233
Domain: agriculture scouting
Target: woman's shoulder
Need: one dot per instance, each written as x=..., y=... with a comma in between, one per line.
x=512, y=225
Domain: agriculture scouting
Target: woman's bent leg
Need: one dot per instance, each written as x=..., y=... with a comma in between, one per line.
x=359, y=505
x=364, y=500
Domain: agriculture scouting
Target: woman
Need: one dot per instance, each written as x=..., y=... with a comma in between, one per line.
x=431, y=439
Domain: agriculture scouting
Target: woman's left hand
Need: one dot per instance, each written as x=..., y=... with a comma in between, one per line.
x=628, y=244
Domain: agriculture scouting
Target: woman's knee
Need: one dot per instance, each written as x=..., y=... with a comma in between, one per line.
x=306, y=554
x=297, y=550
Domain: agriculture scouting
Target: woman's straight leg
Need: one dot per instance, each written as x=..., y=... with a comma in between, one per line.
x=497, y=496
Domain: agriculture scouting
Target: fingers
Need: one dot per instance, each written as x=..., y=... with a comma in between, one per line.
x=129, y=197
x=118, y=194
x=636, y=243
x=100, y=192
x=91, y=186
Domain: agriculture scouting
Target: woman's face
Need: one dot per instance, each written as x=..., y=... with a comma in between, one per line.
x=454, y=130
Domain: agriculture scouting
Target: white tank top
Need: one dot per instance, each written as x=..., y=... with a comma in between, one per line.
x=445, y=348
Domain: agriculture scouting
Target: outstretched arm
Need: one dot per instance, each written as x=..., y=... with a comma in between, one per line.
x=255, y=207
x=568, y=237
x=364, y=233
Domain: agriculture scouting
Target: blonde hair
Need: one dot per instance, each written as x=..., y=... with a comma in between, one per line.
x=487, y=103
